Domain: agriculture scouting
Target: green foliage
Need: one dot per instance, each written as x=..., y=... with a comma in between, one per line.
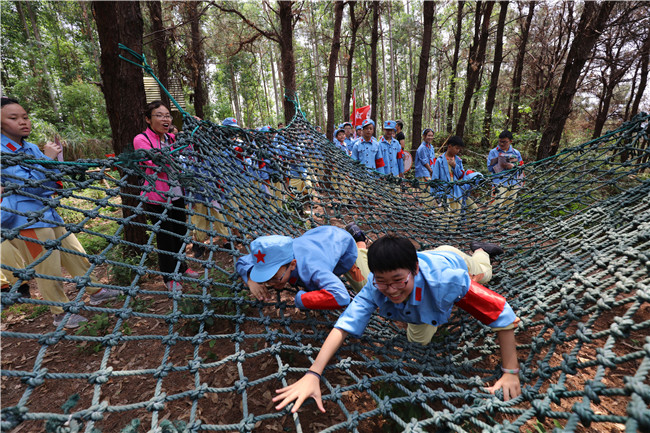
x=30, y=311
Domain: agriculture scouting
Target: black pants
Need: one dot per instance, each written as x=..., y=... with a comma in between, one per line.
x=175, y=222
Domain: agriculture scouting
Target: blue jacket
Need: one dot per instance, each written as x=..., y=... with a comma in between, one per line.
x=390, y=152
x=322, y=254
x=368, y=153
x=511, y=154
x=441, y=172
x=24, y=207
x=425, y=154
x=442, y=281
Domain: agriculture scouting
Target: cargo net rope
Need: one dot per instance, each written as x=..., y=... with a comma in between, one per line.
x=576, y=232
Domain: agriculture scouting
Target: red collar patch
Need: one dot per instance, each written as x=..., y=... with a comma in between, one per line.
x=259, y=256
x=12, y=147
x=418, y=294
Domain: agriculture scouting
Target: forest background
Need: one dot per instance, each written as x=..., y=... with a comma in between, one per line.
x=555, y=73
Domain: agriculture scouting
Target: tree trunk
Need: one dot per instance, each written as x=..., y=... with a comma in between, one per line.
x=593, y=20
x=354, y=28
x=234, y=94
x=374, y=38
x=384, y=91
x=159, y=44
x=195, y=59
x=265, y=87
x=475, y=61
x=428, y=12
x=645, y=58
x=88, y=30
x=121, y=22
x=494, y=78
x=519, y=67
x=392, y=66
x=454, y=67
x=288, y=60
x=331, y=74
x=275, y=84
x=318, y=108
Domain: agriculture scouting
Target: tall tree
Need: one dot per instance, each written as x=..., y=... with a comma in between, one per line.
x=159, y=43
x=374, y=39
x=476, y=59
x=195, y=58
x=454, y=66
x=496, y=69
x=121, y=22
x=331, y=75
x=428, y=12
x=645, y=58
x=355, y=22
x=592, y=21
x=519, y=67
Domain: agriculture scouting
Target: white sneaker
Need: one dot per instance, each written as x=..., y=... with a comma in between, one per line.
x=73, y=321
x=103, y=295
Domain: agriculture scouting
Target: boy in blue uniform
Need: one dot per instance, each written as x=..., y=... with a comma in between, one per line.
x=420, y=289
x=349, y=134
x=25, y=214
x=366, y=150
x=312, y=262
x=449, y=168
x=505, y=157
x=391, y=151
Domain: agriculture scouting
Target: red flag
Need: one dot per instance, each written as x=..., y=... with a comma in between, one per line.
x=361, y=114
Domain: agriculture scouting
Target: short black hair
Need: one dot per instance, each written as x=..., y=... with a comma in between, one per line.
x=390, y=253
x=506, y=134
x=152, y=106
x=400, y=123
x=7, y=101
x=455, y=140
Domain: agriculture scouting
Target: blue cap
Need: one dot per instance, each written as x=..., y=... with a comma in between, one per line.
x=390, y=124
x=367, y=122
x=344, y=124
x=269, y=254
x=339, y=130
x=265, y=129
x=426, y=131
x=229, y=121
x=358, y=127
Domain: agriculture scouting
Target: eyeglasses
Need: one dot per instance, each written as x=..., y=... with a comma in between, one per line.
x=162, y=116
x=396, y=286
x=277, y=280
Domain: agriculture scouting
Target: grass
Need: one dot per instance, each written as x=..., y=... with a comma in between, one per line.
x=30, y=311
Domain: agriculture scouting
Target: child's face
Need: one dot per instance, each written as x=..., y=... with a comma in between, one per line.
x=396, y=285
x=504, y=143
x=15, y=122
x=340, y=136
x=160, y=120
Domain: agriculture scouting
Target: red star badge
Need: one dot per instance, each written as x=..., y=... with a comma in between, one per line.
x=259, y=256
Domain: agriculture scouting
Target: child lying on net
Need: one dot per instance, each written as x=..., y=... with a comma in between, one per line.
x=420, y=289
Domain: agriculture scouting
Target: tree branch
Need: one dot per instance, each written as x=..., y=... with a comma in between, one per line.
x=249, y=23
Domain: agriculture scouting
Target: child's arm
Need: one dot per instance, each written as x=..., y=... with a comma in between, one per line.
x=509, y=381
x=309, y=384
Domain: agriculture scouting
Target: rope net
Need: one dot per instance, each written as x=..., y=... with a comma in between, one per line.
x=576, y=232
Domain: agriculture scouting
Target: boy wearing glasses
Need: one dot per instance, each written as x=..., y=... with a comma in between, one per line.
x=312, y=262
x=420, y=289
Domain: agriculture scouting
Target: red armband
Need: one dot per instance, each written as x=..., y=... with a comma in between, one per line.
x=379, y=163
x=319, y=300
x=482, y=303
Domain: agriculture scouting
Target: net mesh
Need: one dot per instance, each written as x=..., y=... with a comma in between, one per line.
x=575, y=228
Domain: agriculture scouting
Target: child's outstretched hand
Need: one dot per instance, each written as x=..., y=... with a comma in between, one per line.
x=307, y=386
x=510, y=384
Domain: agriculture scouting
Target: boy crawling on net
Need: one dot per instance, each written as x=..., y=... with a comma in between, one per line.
x=420, y=289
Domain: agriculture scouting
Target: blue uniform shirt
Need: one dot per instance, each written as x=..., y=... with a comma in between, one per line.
x=389, y=151
x=442, y=281
x=511, y=154
x=425, y=154
x=322, y=254
x=18, y=200
x=441, y=172
x=368, y=153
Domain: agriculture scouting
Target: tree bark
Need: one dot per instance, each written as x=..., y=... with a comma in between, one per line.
x=320, y=119
x=159, y=44
x=454, y=67
x=392, y=65
x=288, y=59
x=196, y=59
x=374, y=38
x=475, y=62
x=592, y=21
x=121, y=22
x=494, y=78
x=519, y=67
x=355, y=22
x=331, y=75
x=428, y=12
x=645, y=58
